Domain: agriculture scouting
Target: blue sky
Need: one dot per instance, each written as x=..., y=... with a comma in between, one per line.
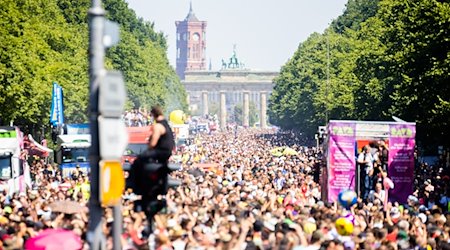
x=266, y=32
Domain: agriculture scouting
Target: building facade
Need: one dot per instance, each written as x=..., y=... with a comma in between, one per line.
x=217, y=92
x=226, y=88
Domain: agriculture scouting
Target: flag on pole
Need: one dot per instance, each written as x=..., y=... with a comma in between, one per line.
x=57, y=108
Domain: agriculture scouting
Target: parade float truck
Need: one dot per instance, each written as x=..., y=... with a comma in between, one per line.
x=72, y=150
x=137, y=143
x=342, y=144
x=14, y=169
x=138, y=140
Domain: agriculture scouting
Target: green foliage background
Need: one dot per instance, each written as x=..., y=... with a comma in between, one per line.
x=47, y=40
x=386, y=58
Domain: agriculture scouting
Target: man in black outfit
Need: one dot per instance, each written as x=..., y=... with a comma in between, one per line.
x=149, y=171
x=161, y=142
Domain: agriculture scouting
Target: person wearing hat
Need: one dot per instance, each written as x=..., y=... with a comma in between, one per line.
x=7, y=210
x=3, y=221
x=394, y=215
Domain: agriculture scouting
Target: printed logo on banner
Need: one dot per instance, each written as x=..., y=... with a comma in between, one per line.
x=342, y=130
x=401, y=132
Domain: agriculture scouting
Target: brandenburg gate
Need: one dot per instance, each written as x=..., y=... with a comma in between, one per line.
x=227, y=87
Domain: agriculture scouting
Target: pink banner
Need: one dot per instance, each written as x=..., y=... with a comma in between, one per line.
x=341, y=158
x=401, y=161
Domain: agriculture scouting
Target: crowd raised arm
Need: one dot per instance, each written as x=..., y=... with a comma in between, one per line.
x=249, y=199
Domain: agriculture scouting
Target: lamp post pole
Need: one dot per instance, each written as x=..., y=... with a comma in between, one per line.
x=96, y=14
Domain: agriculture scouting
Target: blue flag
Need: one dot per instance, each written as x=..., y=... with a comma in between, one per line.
x=57, y=108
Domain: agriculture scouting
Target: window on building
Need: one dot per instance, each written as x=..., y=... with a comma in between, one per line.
x=178, y=36
x=196, y=51
x=189, y=53
x=178, y=52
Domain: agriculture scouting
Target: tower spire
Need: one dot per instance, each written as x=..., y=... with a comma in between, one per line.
x=191, y=16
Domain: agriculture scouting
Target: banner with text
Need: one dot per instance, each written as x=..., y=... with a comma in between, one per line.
x=57, y=108
x=401, y=161
x=341, y=158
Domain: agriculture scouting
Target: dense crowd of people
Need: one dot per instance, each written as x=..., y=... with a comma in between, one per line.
x=136, y=118
x=236, y=194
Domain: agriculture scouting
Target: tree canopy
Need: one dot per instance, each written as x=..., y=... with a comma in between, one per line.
x=377, y=60
x=47, y=40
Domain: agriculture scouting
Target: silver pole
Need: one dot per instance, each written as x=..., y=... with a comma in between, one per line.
x=359, y=180
x=117, y=227
x=95, y=236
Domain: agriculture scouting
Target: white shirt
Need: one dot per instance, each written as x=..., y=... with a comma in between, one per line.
x=381, y=197
x=368, y=158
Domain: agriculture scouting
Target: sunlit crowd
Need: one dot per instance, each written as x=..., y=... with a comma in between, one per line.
x=237, y=194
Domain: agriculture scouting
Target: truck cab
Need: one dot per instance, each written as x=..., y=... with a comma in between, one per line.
x=203, y=127
x=73, y=152
x=14, y=169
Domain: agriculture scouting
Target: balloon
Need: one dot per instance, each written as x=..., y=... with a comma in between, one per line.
x=347, y=198
x=387, y=183
x=344, y=226
x=309, y=227
x=177, y=117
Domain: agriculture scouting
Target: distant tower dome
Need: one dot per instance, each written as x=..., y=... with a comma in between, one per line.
x=191, y=44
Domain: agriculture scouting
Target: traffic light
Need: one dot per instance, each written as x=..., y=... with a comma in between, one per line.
x=158, y=179
x=112, y=137
x=151, y=180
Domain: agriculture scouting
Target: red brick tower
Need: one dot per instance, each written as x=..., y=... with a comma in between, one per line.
x=191, y=44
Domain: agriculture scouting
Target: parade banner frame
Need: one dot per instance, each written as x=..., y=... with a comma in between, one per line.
x=341, y=162
x=344, y=141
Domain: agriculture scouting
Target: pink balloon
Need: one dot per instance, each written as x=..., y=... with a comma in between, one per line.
x=387, y=183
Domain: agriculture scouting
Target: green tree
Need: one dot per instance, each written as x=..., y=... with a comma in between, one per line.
x=47, y=40
x=38, y=47
x=385, y=58
x=355, y=13
x=418, y=41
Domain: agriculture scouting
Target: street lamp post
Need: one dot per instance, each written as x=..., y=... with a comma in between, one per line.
x=96, y=66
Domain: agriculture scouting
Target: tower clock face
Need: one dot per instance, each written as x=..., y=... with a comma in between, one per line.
x=196, y=37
